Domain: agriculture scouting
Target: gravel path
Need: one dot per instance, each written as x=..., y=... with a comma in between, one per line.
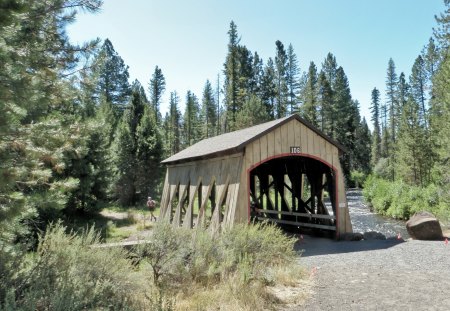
x=377, y=274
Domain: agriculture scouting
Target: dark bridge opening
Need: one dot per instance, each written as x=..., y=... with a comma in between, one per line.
x=298, y=193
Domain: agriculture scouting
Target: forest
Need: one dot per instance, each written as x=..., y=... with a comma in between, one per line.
x=76, y=134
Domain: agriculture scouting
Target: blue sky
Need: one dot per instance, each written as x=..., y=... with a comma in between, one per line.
x=188, y=39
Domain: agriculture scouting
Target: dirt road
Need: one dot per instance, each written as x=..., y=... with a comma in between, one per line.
x=377, y=274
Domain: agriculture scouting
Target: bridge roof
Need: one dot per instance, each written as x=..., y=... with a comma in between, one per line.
x=236, y=141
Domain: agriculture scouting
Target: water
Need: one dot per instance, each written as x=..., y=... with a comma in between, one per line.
x=363, y=220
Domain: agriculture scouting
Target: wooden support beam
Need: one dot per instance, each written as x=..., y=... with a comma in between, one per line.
x=265, y=211
x=300, y=224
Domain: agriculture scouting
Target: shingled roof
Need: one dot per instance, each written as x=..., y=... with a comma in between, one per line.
x=236, y=141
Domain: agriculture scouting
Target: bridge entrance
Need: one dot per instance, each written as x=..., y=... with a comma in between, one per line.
x=294, y=191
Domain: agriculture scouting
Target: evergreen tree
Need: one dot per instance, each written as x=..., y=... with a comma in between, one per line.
x=174, y=124
x=252, y=113
x=329, y=67
x=191, y=124
x=268, y=89
x=149, y=151
x=231, y=77
x=112, y=81
x=310, y=107
x=281, y=60
x=124, y=152
x=362, y=148
x=156, y=87
x=292, y=79
x=325, y=103
x=411, y=157
x=417, y=81
x=376, y=137
x=35, y=54
x=257, y=74
x=440, y=105
x=125, y=147
x=347, y=118
x=391, y=100
x=403, y=93
x=208, y=112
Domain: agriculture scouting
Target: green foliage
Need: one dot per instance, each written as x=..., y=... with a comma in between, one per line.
x=248, y=251
x=400, y=200
x=208, y=112
x=357, y=178
x=69, y=273
x=111, y=78
x=292, y=80
x=281, y=86
x=252, y=113
x=310, y=107
x=156, y=87
x=191, y=121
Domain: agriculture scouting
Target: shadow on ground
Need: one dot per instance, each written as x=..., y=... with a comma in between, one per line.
x=315, y=246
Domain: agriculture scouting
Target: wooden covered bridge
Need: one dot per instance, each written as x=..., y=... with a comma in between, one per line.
x=285, y=171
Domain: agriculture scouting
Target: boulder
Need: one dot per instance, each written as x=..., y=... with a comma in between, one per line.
x=374, y=235
x=424, y=226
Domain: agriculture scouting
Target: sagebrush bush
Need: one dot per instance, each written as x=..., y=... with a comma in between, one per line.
x=174, y=269
x=68, y=273
x=245, y=256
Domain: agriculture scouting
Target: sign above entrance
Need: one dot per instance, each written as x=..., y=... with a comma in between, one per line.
x=295, y=149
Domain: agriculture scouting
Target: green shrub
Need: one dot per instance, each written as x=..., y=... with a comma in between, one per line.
x=400, y=200
x=68, y=273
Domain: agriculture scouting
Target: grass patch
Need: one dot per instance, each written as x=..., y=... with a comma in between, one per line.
x=113, y=223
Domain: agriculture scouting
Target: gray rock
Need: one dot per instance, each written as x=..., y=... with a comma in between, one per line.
x=424, y=226
x=374, y=235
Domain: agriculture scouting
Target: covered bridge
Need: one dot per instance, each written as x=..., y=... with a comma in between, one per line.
x=285, y=171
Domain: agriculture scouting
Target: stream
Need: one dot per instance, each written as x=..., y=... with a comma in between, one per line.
x=363, y=220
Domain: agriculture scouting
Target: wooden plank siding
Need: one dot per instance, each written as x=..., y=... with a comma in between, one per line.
x=230, y=175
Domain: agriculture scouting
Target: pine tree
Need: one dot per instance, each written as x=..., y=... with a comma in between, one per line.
x=156, y=87
x=208, y=112
x=125, y=147
x=362, y=148
x=329, y=67
x=410, y=156
x=257, y=75
x=231, y=77
x=292, y=79
x=402, y=93
x=174, y=124
x=149, y=152
x=376, y=137
x=280, y=80
x=268, y=89
x=417, y=81
x=391, y=100
x=326, y=106
x=191, y=125
x=124, y=152
x=112, y=81
x=347, y=118
x=252, y=113
x=35, y=54
x=440, y=105
x=310, y=109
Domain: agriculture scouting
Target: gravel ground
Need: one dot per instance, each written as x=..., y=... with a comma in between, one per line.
x=377, y=274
